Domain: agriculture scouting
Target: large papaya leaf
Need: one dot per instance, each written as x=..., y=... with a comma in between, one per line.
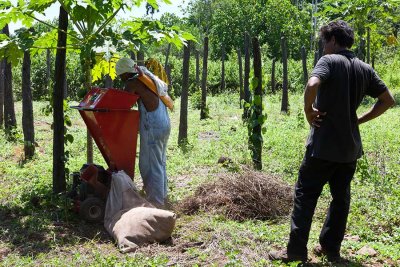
x=10, y=50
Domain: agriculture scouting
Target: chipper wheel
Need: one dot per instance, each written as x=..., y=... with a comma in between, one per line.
x=92, y=210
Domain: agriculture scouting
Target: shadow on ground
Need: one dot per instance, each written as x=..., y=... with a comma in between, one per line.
x=346, y=263
x=43, y=223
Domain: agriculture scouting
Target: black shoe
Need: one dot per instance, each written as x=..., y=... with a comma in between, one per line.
x=330, y=255
x=282, y=255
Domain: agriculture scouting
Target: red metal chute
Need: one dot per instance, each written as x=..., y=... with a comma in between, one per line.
x=114, y=126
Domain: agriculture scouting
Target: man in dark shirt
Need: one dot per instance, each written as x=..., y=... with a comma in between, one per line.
x=335, y=90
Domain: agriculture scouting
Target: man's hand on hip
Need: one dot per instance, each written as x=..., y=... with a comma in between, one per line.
x=314, y=117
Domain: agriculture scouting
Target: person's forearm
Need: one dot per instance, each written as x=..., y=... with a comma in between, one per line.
x=384, y=103
x=310, y=93
x=378, y=109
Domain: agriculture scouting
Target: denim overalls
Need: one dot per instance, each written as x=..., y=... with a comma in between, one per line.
x=154, y=132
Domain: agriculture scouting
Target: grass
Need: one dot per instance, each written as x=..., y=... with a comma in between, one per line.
x=37, y=228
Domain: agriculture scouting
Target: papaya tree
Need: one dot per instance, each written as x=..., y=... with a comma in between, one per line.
x=2, y=63
x=27, y=107
x=93, y=26
x=10, y=121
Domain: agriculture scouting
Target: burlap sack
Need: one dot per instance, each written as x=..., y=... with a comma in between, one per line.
x=143, y=225
x=131, y=219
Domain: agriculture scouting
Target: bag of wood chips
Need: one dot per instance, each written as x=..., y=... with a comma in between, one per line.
x=131, y=219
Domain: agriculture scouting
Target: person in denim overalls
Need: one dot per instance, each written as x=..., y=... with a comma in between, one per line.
x=154, y=132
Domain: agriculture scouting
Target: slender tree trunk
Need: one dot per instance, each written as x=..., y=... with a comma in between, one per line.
x=168, y=72
x=167, y=55
x=86, y=51
x=246, y=87
x=65, y=87
x=197, y=57
x=256, y=136
x=241, y=92
x=285, y=100
x=223, y=69
x=2, y=78
x=183, y=122
x=304, y=61
x=316, y=55
x=140, y=58
x=133, y=55
x=59, y=183
x=313, y=24
x=27, y=109
x=361, y=54
x=273, y=82
x=108, y=82
x=373, y=61
x=48, y=71
x=203, y=109
x=9, y=112
x=320, y=49
x=368, y=45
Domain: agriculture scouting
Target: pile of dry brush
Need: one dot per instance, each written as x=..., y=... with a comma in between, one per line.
x=242, y=196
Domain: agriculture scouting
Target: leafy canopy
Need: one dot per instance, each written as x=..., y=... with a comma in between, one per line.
x=94, y=26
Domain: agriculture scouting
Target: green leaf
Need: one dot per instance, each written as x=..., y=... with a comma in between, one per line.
x=253, y=83
x=67, y=121
x=264, y=130
x=10, y=50
x=257, y=100
x=261, y=119
x=79, y=13
x=40, y=5
x=69, y=138
x=188, y=36
x=91, y=4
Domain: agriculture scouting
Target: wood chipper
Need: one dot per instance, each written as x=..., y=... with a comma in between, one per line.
x=113, y=124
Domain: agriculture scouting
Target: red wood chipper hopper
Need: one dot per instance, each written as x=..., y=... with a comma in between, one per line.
x=114, y=125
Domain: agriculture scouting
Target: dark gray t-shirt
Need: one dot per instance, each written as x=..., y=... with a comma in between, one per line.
x=345, y=80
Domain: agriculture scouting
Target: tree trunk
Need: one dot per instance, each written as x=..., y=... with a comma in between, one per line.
x=361, y=50
x=197, y=56
x=183, y=122
x=108, y=82
x=304, y=61
x=246, y=88
x=315, y=58
x=373, y=61
x=168, y=72
x=241, y=92
x=27, y=109
x=9, y=113
x=285, y=101
x=313, y=24
x=86, y=53
x=368, y=45
x=203, y=109
x=273, y=83
x=256, y=136
x=140, y=58
x=2, y=64
x=223, y=68
x=59, y=183
x=65, y=87
x=167, y=55
x=133, y=55
x=320, y=49
x=48, y=71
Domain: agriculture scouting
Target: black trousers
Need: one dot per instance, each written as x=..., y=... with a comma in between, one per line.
x=313, y=175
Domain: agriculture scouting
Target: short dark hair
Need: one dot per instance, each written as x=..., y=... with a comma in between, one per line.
x=343, y=33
